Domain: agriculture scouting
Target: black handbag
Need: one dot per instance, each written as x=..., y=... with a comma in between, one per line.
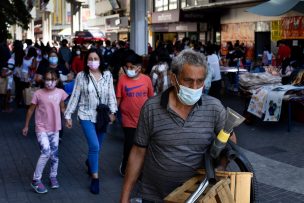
x=102, y=117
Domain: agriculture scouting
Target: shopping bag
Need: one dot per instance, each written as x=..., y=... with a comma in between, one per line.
x=3, y=85
x=28, y=94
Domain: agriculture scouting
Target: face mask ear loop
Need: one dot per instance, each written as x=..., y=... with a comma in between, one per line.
x=176, y=86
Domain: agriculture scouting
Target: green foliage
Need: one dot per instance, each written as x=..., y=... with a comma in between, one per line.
x=13, y=12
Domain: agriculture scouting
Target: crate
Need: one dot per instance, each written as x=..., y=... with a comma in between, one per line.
x=231, y=187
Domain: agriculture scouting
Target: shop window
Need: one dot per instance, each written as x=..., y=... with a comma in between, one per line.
x=164, y=5
x=186, y=3
x=173, y=4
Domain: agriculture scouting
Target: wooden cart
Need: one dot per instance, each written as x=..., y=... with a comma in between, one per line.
x=232, y=187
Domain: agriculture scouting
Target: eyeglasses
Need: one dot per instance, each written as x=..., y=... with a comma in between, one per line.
x=49, y=80
x=132, y=67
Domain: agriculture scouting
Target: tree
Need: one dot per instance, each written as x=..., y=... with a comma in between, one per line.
x=14, y=12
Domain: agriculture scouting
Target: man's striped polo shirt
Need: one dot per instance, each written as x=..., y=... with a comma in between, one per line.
x=175, y=147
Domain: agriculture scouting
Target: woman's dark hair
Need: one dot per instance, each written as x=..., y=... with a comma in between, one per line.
x=210, y=50
x=86, y=69
x=32, y=52
x=51, y=71
x=55, y=52
x=163, y=56
x=19, y=53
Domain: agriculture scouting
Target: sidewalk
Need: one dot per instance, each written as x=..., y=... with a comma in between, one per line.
x=19, y=155
x=277, y=157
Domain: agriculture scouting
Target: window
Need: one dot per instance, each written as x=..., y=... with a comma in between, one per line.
x=173, y=4
x=186, y=3
x=165, y=5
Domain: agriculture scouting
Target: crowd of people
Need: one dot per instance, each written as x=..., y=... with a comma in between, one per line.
x=168, y=118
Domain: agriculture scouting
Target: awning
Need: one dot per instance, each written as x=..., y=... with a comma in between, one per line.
x=277, y=7
x=65, y=31
x=221, y=4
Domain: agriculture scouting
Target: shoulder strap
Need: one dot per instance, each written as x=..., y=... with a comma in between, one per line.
x=95, y=88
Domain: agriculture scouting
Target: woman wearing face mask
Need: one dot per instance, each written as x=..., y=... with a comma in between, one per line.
x=160, y=73
x=77, y=61
x=27, y=69
x=92, y=79
x=133, y=89
x=53, y=63
x=47, y=103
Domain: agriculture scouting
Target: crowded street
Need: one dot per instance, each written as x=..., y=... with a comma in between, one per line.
x=275, y=154
x=152, y=101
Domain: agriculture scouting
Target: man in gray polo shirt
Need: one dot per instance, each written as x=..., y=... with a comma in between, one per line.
x=174, y=131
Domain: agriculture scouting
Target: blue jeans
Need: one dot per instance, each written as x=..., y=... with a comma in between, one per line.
x=94, y=140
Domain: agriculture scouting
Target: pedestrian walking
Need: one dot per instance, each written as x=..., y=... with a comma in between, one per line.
x=174, y=131
x=47, y=103
x=133, y=89
x=93, y=86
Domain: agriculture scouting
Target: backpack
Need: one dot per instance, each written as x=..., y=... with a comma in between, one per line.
x=107, y=56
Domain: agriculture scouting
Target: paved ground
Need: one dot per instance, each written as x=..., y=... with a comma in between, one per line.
x=276, y=155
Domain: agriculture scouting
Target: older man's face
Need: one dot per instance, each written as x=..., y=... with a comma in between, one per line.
x=192, y=76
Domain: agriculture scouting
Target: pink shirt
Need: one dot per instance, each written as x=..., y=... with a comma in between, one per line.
x=133, y=94
x=47, y=114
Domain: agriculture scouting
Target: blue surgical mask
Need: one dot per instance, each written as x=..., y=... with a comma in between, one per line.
x=189, y=96
x=53, y=60
x=131, y=73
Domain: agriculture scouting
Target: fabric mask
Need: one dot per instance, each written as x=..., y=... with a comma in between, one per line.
x=161, y=68
x=93, y=65
x=189, y=96
x=53, y=60
x=131, y=73
x=78, y=53
x=50, y=84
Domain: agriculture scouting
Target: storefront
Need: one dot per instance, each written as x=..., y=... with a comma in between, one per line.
x=167, y=26
x=117, y=28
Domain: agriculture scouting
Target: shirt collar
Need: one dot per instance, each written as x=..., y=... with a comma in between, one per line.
x=164, y=100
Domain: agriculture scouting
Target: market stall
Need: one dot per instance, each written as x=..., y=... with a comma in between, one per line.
x=264, y=95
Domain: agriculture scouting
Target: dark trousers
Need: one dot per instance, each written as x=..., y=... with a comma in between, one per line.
x=129, y=134
x=215, y=89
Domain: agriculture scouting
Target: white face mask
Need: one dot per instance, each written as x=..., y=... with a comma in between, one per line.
x=161, y=68
x=189, y=96
x=131, y=73
x=49, y=84
x=78, y=52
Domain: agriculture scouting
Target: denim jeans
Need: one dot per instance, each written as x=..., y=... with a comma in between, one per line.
x=94, y=140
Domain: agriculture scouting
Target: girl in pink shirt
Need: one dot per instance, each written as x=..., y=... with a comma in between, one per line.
x=47, y=103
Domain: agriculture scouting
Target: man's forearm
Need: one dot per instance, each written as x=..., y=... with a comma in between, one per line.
x=135, y=163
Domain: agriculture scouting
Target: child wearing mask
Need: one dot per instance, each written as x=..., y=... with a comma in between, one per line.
x=133, y=89
x=47, y=103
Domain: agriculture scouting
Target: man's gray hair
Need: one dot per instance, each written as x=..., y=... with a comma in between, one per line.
x=189, y=57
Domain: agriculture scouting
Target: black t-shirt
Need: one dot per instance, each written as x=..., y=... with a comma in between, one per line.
x=44, y=66
x=60, y=69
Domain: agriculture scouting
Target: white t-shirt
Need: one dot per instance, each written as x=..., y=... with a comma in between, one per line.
x=213, y=62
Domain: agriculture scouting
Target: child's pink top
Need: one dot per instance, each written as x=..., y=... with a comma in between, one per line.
x=47, y=114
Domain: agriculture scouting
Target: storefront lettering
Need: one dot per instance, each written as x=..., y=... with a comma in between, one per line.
x=165, y=17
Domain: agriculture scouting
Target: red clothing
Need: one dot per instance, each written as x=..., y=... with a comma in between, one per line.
x=133, y=94
x=77, y=64
x=283, y=53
